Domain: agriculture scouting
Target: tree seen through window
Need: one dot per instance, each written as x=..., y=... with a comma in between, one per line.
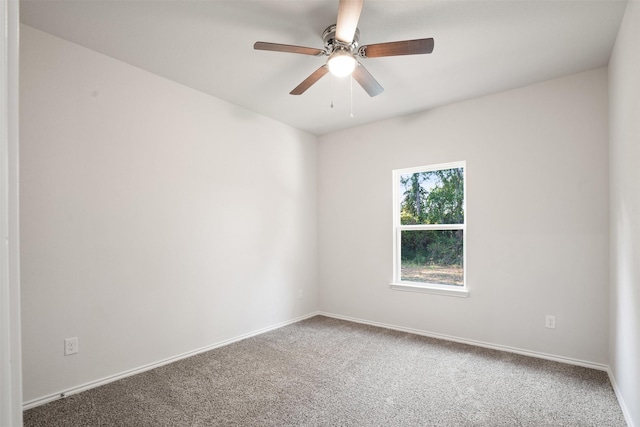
x=432, y=226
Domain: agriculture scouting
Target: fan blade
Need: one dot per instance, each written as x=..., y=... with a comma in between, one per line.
x=276, y=47
x=348, y=16
x=366, y=80
x=314, y=77
x=405, y=47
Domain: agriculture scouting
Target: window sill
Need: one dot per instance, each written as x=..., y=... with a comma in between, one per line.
x=431, y=289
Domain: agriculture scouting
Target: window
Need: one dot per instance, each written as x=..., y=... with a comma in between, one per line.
x=429, y=229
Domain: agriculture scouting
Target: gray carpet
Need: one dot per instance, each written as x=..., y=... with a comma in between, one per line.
x=328, y=372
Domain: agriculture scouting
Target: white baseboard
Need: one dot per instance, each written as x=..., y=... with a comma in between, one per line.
x=74, y=390
x=561, y=359
x=623, y=405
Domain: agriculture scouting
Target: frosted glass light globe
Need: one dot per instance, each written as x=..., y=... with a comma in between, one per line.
x=341, y=63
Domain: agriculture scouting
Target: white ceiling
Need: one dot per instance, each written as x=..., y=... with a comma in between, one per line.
x=481, y=47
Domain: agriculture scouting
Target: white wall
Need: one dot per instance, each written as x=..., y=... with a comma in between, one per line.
x=624, y=166
x=537, y=195
x=155, y=219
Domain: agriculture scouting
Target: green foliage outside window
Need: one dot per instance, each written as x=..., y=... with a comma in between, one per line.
x=432, y=197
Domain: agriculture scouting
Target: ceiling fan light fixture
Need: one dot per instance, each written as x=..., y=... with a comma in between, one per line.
x=341, y=63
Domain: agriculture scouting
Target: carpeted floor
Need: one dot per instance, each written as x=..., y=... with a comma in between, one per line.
x=328, y=372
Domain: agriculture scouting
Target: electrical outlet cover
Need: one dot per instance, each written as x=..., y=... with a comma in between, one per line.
x=551, y=321
x=70, y=346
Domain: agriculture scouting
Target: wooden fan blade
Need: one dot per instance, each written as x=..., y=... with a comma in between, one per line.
x=276, y=47
x=314, y=77
x=348, y=16
x=366, y=80
x=405, y=47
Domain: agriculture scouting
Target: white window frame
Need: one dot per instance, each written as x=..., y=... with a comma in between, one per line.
x=432, y=288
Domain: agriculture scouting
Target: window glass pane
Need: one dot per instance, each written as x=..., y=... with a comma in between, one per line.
x=432, y=197
x=432, y=256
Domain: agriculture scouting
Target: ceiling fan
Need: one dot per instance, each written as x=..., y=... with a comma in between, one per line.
x=341, y=46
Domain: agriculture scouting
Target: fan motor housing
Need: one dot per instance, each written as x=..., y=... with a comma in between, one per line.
x=331, y=44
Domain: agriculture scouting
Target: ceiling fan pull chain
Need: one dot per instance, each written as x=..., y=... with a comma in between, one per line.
x=332, y=80
x=351, y=84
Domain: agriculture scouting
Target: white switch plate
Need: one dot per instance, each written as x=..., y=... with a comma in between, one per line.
x=550, y=321
x=70, y=346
